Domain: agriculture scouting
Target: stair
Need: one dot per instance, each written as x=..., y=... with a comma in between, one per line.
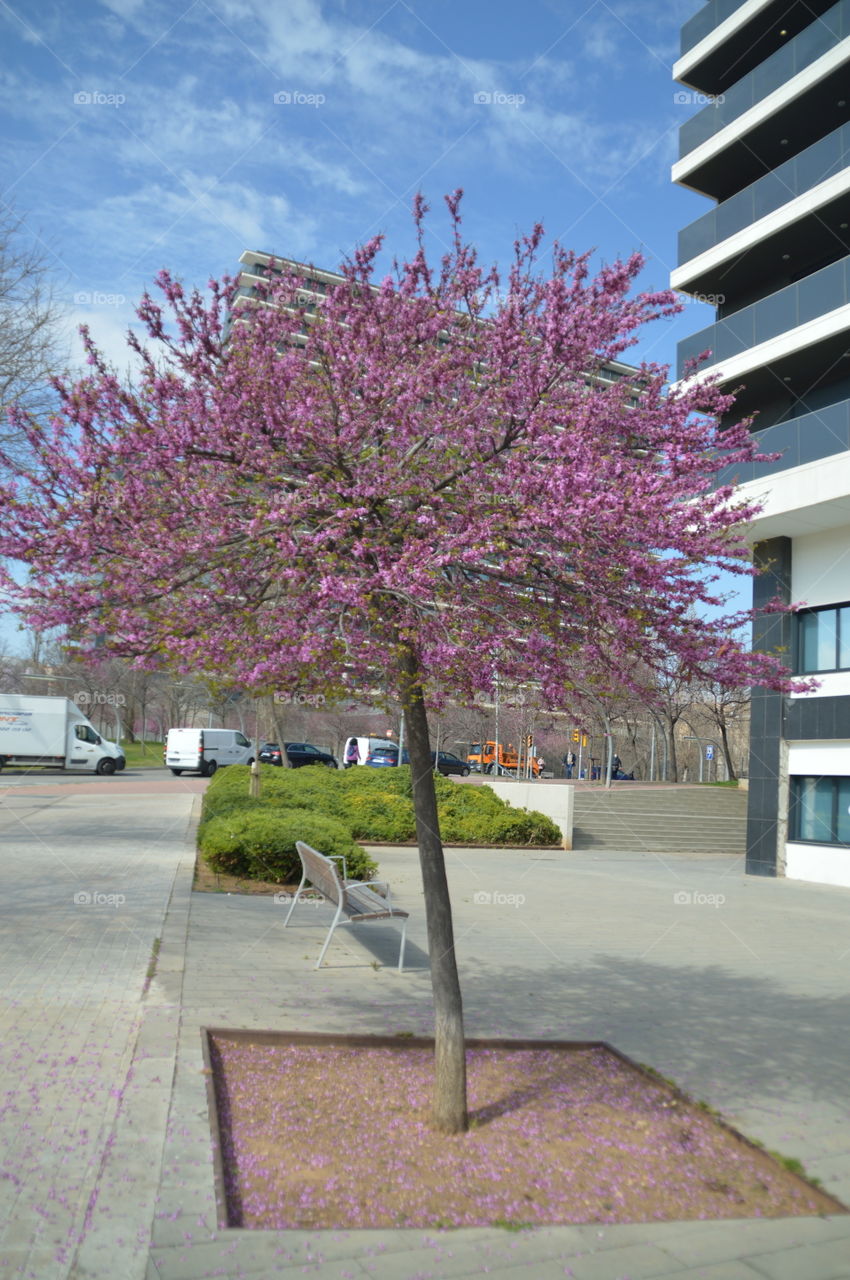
x=661, y=819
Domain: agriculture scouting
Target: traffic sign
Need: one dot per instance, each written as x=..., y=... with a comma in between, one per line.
x=709, y=753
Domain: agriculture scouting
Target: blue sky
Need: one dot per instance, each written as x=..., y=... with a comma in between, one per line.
x=142, y=135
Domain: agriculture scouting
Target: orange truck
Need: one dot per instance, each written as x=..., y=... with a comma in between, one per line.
x=482, y=757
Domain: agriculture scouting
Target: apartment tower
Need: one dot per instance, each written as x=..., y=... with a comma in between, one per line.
x=769, y=144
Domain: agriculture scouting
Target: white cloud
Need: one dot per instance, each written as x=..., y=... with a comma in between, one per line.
x=108, y=323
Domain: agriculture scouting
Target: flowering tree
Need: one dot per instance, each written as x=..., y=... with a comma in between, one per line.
x=421, y=482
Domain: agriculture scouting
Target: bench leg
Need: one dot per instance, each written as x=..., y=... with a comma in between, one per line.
x=295, y=901
x=330, y=935
x=401, y=948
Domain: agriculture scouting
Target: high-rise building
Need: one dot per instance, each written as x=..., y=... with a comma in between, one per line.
x=314, y=283
x=770, y=145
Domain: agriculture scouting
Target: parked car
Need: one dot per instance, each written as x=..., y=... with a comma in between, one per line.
x=365, y=747
x=444, y=761
x=205, y=750
x=301, y=753
x=378, y=757
x=297, y=753
x=448, y=763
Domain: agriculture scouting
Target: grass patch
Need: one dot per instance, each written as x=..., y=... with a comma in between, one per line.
x=151, y=969
x=143, y=755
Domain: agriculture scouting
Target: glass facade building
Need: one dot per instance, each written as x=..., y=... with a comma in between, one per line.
x=769, y=145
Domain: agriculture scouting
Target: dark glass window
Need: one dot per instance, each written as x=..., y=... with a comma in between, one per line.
x=820, y=810
x=824, y=639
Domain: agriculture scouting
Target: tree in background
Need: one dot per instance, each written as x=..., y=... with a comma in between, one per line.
x=369, y=496
x=31, y=347
x=723, y=710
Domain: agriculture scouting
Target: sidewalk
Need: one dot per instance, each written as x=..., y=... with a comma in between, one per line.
x=743, y=1001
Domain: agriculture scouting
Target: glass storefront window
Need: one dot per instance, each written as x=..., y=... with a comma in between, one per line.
x=815, y=810
x=842, y=824
x=844, y=638
x=824, y=639
x=820, y=810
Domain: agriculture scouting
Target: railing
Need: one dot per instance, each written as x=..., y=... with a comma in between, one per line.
x=814, y=41
x=814, y=296
x=818, y=162
x=706, y=20
x=818, y=434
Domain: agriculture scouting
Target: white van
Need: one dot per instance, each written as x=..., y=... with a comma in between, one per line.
x=205, y=750
x=365, y=746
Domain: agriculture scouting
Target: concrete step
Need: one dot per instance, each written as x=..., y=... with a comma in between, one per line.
x=669, y=819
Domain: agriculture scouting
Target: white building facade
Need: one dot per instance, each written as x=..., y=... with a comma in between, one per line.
x=771, y=146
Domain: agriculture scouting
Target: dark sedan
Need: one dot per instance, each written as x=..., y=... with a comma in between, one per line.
x=444, y=761
x=298, y=754
x=448, y=763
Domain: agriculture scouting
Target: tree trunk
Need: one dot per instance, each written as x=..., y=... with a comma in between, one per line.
x=450, y=1114
x=279, y=733
x=672, y=761
x=727, y=754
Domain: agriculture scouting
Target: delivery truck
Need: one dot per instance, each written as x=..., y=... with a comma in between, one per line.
x=53, y=732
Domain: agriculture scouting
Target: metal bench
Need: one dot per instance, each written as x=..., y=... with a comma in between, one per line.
x=354, y=899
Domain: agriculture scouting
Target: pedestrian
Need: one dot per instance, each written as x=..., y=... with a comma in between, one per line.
x=616, y=765
x=569, y=763
x=352, y=753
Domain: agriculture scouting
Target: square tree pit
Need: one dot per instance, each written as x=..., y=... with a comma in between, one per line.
x=323, y=1131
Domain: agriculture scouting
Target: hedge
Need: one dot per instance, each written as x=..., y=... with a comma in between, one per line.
x=369, y=804
x=259, y=844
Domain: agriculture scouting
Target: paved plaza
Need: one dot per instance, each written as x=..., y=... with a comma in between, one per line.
x=734, y=987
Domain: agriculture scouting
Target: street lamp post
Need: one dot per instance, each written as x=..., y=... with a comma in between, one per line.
x=496, y=750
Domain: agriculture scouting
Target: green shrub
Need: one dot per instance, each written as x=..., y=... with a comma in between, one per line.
x=369, y=804
x=259, y=843
x=379, y=815
x=306, y=788
x=469, y=800
x=522, y=827
x=392, y=779
x=457, y=829
x=226, y=806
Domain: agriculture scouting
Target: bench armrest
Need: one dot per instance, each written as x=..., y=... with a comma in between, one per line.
x=339, y=857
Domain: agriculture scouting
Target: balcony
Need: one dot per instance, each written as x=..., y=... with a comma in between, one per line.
x=800, y=174
x=795, y=305
x=805, y=439
x=705, y=21
x=775, y=72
